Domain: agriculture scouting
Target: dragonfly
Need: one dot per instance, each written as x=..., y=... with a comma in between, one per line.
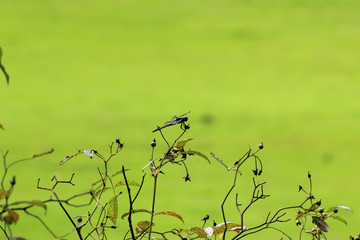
x=175, y=120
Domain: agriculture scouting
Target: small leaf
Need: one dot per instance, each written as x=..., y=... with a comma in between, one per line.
x=300, y=215
x=174, y=214
x=181, y=144
x=3, y=194
x=97, y=182
x=321, y=224
x=135, y=211
x=36, y=203
x=130, y=182
x=199, y=231
x=13, y=217
x=1, y=127
x=112, y=210
x=198, y=154
x=338, y=218
x=144, y=226
x=313, y=207
x=119, y=172
x=220, y=228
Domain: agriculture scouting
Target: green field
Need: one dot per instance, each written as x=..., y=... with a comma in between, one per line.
x=282, y=72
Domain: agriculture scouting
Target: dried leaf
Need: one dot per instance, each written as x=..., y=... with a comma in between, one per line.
x=199, y=231
x=144, y=226
x=321, y=224
x=3, y=194
x=174, y=214
x=44, y=153
x=36, y=203
x=135, y=211
x=112, y=209
x=220, y=228
x=13, y=217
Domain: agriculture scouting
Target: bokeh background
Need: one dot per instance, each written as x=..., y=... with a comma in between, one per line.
x=285, y=73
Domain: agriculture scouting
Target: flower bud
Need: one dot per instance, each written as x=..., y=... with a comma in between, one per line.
x=153, y=143
x=13, y=181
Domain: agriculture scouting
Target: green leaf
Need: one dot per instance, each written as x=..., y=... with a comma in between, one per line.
x=321, y=224
x=181, y=144
x=112, y=210
x=174, y=214
x=135, y=211
x=338, y=218
x=198, y=154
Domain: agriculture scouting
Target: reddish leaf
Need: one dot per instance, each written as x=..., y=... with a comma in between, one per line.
x=174, y=214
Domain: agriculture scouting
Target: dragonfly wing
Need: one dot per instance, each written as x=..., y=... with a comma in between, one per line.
x=182, y=116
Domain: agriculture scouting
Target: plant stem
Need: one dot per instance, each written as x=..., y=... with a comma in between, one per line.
x=153, y=205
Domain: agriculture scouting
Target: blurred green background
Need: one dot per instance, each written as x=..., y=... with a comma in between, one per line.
x=281, y=72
